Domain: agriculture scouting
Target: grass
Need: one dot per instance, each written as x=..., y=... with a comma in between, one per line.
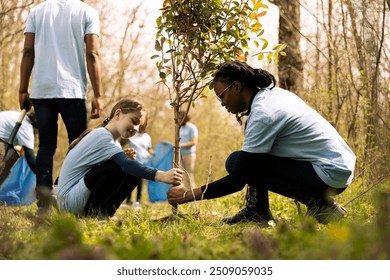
x=199, y=234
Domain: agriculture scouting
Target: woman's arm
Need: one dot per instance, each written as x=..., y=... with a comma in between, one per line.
x=229, y=184
x=193, y=142
x=133, y=167
x=136, y=169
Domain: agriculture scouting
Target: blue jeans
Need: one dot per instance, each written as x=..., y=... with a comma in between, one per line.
x=74, y=115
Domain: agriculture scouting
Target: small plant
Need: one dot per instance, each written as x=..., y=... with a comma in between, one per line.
x=194, y=37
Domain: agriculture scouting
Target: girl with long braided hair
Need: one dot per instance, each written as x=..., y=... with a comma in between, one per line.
x=97, y=175
x=289, y=149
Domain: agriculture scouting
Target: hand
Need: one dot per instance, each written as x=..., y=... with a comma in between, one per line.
x=19, y=149
x=97, y=108
x=131, y=153
x=173, y=176
x=24, y=101
x=175, y=195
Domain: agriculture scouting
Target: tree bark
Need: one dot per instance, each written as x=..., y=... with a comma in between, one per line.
x=290, y=67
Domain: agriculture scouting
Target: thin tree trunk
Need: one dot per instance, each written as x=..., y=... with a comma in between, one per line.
x=290, y=67
x=330, y=64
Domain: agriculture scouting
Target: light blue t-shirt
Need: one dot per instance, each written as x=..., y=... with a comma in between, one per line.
x=60, y=27
x=95, y=148
x=283, y=125
x=141, y=142
x=25, y=135
x=187, y=132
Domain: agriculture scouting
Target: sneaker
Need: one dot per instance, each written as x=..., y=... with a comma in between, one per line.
x=136, y=204
x=327, y=213
x=247, y=215
x=47, y=201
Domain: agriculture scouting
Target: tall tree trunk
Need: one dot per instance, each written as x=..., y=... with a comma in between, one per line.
x=330, y=64
x=369, y=57
x=290, y=67
x=374, y=49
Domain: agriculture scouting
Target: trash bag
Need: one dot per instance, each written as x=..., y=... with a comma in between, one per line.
x=162, y=160
x=19, y=187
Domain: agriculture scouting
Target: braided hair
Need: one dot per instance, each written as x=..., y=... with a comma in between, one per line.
x=125, y=105
x=254, y=79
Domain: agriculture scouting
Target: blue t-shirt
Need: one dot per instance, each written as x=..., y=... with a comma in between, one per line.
x=187, y=132
x=94, y=149
x=283, y=125
x=60, y=27
x=25, y=135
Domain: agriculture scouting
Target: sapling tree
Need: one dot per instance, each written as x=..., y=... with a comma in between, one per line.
x=194, y=37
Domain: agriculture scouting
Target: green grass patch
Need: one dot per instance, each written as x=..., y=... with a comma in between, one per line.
x=153, y=233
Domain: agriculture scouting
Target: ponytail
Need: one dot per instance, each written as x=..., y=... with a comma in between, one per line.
x=125, y=105
x=264, y=79
x=236, y=70
x=254, y=79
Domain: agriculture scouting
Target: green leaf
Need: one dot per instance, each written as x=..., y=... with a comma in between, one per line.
x=277, y=47
x=162, y=75
x=265, y=45
x=269, y=57
x=157, y=46
x=159, y=21
x=260, y=33
x=244, y=43
x=276, y=58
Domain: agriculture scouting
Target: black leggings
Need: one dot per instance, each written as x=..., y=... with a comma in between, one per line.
x=109, y=187
x=139, y=192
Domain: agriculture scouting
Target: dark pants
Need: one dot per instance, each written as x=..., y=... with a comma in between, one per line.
x=291, y=178
x=139, y=192
x=109, y=187
x=74, y=115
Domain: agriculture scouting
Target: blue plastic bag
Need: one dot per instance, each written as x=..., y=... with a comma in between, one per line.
x=19, y=187
x=162, y=160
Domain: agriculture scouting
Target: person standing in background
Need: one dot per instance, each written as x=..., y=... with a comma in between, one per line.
x=141, y=142
x=188, y=142
x=54, y=55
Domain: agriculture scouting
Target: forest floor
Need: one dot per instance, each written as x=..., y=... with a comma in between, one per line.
x=151, y=232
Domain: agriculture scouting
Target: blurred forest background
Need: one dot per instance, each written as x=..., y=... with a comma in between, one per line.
x=337, y=61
